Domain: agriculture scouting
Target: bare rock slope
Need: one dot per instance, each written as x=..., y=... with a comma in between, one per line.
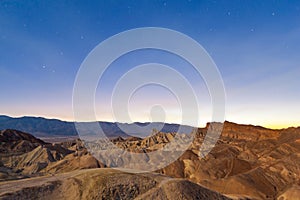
x=22, y=156
x=247, y=161
x=105, y=184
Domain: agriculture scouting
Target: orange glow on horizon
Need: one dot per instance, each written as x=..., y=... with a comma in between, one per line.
x=71, y=119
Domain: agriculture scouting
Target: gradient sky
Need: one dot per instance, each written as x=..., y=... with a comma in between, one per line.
x=255, y=44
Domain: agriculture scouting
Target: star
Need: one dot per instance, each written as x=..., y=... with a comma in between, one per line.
x=44, y=67
x=273, y=14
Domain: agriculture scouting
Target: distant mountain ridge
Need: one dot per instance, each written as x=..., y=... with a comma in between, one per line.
x=43, y=127
x=38, y=126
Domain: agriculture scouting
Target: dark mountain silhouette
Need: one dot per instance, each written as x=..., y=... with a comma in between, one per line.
x=38, y=126
x=43, y=127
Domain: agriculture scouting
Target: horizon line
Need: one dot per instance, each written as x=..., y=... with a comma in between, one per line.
x=66, y=120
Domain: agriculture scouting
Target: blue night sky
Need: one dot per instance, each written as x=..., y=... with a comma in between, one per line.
x=255, y=45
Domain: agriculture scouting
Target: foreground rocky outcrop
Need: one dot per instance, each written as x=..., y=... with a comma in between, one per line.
x=22, y=156
x=105, y=184
x=246, y=162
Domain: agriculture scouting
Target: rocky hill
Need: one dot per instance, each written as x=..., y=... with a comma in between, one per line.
x=93, y=184
x=22, y=155
x=247, y=161
x=14, y=142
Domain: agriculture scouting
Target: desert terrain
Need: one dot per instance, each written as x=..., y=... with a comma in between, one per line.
x=248, y=162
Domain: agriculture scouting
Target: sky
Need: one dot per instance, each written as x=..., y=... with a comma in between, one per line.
x=255, y=45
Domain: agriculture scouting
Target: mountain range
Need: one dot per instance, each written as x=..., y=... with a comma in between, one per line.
x=43, y=127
